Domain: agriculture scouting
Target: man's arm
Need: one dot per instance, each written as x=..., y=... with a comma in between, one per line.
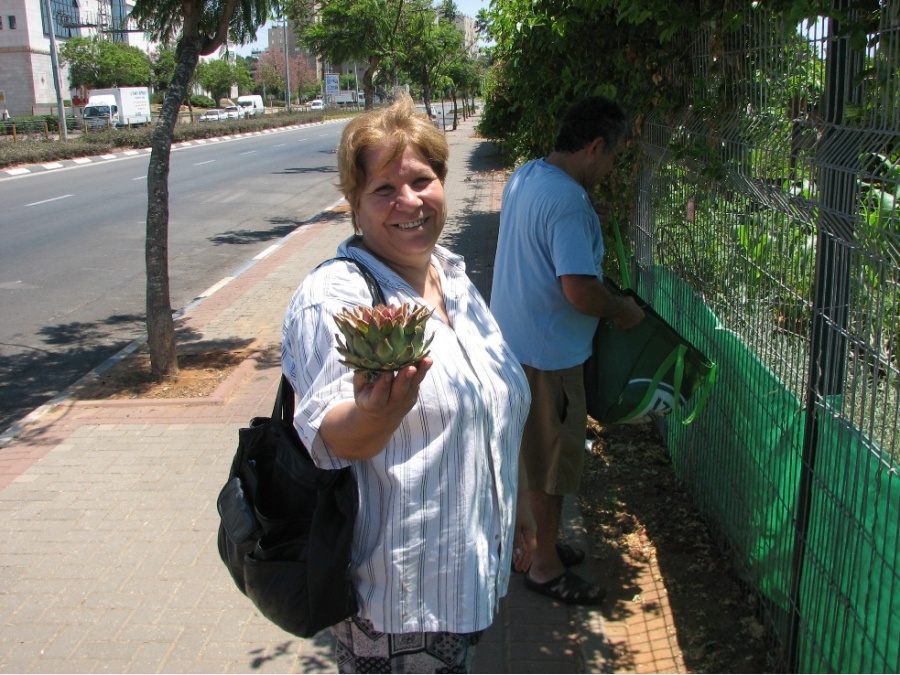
x=591, y=297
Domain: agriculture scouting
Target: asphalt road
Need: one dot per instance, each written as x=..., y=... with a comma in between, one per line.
x=72, y=273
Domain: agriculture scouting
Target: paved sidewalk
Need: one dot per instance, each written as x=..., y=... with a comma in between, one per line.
x=107, y=509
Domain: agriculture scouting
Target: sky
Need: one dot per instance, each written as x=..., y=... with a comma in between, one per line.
x=467, y=7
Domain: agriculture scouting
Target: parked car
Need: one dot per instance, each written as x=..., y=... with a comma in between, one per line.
x=234, y=112
x=317, y=104
x=214, y=115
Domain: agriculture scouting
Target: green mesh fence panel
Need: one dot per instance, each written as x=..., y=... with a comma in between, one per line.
x=766, y=229
x=746, y=442
x=849, y=591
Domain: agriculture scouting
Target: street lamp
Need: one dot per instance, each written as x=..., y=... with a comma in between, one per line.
x=287, y=66
x=57, y=80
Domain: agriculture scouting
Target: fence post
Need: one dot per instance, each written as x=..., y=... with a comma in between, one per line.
x=837, y=165
x=15, y=136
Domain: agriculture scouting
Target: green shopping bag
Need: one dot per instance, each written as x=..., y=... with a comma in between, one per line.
x=644, y=372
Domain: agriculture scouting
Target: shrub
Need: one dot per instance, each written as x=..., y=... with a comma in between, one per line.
x=201, y=101
x=36, y=149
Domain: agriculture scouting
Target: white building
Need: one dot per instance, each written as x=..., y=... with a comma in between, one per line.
x=26, y=75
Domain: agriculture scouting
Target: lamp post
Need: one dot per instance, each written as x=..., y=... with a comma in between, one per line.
x=287, y=66
x=57, y=80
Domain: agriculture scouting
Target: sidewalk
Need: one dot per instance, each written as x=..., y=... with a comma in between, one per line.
x=107, y=509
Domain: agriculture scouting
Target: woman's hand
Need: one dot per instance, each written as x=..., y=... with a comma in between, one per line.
x=525, y=539
x=360, y=429
x=392, y=394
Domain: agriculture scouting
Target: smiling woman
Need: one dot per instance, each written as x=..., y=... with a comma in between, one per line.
x=425, y=439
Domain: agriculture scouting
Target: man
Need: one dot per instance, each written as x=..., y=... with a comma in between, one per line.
x=548, y=296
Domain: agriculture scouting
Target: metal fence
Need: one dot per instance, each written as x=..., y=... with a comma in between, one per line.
x=765, y=229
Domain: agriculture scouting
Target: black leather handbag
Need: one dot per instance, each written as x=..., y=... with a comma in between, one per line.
x=286, y=526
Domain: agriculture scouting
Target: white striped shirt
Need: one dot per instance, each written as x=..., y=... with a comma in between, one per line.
x=433, y=539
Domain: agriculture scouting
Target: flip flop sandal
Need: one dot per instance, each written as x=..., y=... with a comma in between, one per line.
x=568, y=588
x=569, y=556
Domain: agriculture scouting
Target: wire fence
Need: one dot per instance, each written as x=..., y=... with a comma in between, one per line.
x=766, y=230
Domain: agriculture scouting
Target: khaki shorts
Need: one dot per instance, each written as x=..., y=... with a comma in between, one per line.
x=553, y=440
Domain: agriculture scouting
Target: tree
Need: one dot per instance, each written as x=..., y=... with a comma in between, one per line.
x=200, y=27
x=349, y=30
x=218, y=77
x=271, y=72
x=428, y=47
x=95, y=63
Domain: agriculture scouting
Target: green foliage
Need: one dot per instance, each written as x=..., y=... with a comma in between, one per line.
x=219, y=75
x=202, y=101
x=96, y=64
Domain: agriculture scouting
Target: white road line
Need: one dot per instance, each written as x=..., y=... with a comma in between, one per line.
x=44, y=201
x=139, y=178
x=209, y=161
x=249, y=152
x=215, y=287
x=260, y=256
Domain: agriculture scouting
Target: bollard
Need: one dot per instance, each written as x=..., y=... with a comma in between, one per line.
x=46, y=130
x=15, y=136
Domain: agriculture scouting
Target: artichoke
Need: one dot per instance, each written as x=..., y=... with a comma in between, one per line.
x=383, y=338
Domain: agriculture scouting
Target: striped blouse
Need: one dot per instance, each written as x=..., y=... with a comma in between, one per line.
x=434, y=533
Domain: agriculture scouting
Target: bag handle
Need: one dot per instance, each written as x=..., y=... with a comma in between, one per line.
x=284, y=402
x=620, y=250
x=679, y=369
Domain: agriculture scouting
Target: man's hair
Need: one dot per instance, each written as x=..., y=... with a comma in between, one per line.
x=591, y=118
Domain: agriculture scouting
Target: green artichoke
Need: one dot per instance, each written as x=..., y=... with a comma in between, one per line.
x=383, y=338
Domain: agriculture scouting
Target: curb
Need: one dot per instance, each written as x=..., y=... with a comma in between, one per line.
x=12, y=432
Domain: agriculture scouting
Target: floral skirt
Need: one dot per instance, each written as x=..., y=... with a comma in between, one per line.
x=361, y=649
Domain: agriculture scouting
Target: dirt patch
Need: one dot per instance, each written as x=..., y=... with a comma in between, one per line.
x=200, y=374
x=636, y=512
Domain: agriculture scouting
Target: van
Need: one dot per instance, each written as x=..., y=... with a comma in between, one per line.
x=252, y=105
x=317, y=104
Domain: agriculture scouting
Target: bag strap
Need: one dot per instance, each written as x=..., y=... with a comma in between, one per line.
x=284, y=401
x=620, y=250
x=679, y=358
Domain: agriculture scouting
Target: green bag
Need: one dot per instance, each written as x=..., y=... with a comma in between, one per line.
x=644, y=372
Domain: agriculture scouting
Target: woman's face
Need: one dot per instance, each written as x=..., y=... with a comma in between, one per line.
x=401, y=208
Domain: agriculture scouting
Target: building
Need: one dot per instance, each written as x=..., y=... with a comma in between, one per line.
x=26, y=74
x=466, y=26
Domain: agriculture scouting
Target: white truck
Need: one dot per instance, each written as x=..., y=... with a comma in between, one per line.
x=119, y=107
x=252, y=105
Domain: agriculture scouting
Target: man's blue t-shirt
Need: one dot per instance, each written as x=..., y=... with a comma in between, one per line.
x=548, y=228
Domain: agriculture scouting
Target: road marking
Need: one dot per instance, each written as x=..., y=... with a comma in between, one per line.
x=139, y=178
x=209, y=161
x=278, y=145
x=52, y=165
x=215, y=287
x=249, y=152
x=44, y=201
x=271, y=249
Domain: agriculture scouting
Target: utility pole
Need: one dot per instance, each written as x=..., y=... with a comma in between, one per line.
x=287, y=66
x=57, y=83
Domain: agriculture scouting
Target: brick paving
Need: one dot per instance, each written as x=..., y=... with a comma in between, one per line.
x=107, y=508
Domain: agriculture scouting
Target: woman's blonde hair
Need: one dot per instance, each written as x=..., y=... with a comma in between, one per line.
x=401, y=125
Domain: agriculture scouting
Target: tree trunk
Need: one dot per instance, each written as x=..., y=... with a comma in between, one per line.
x=368, y=81
x=160, y=324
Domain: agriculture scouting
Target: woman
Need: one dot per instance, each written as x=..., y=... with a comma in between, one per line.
x=434, y=447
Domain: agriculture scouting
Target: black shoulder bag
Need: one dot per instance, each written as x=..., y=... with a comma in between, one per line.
x=286, y=529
